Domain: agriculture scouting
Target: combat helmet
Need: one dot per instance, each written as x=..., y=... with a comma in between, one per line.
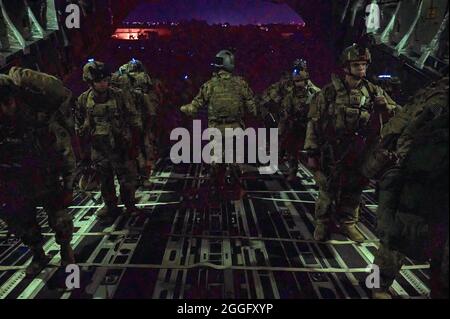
x=7, y=88
x=300, y=69
x=355, y=53
x=95, y=71
x=135, y=66
x=224, y=60
x=123, y=69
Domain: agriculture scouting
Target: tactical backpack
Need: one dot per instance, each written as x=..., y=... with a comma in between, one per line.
x=424, y=199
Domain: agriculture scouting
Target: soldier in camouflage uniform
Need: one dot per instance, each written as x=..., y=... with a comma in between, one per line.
x=132, y=78
x=413, y=193
x=284, y=105
x=295, y=106
x=108, y=116
x=344, y=123
x=271, y=99
x=228, y=98
x=37, y=161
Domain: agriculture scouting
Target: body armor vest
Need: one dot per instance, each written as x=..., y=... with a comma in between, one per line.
x=106, y=117
x=225, y=99
x=350, y=111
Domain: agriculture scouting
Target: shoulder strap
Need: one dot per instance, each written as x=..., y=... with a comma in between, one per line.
x=371, y=89
x=330, y=93
x=84, y=97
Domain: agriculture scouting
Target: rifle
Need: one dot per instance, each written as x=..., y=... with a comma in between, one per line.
x=85, y=168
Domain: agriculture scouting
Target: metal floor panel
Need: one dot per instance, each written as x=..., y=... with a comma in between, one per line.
x=258, y=247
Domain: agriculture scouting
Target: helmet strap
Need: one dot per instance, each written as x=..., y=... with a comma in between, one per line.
x=348, y=71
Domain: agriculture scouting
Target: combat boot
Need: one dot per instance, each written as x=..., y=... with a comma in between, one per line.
x=381, y=294
x=352, y=232
x=108, y=214
x=102, y=212
x=145, y=183
x=133, y=211
x=67, y=255
x=38, y=263
x=321, y=232
x=292, y=175
x=292, y=172
x=128, y=198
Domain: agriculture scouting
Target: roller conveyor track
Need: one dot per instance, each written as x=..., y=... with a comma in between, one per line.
x=258, y=247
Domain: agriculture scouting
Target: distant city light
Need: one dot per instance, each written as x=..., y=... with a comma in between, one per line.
x=135, y=34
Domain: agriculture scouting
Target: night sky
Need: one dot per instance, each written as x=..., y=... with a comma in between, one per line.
x=235, y=12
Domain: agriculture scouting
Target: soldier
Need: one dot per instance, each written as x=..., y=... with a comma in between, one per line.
x=228, y=98
x=295, y=106
x=413, y=193
x=270, y=100
x=282, y=103
x=132, y=78
x=109, y=118
x=36, y=160
x=344, y=123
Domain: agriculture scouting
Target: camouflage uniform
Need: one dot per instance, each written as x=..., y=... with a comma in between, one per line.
x=413, y=195
x=146, y=100
x=342, y=129
x=271, y=100
x=227, y=97
x=110, y=120
x=36, y=153
x=285, y=105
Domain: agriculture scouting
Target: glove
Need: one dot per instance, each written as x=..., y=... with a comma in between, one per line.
x=185, y=109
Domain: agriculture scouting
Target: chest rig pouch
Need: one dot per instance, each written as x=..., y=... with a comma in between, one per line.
x=225, y=99
x=300, y=100
x=351, y=110
x=106, y=119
